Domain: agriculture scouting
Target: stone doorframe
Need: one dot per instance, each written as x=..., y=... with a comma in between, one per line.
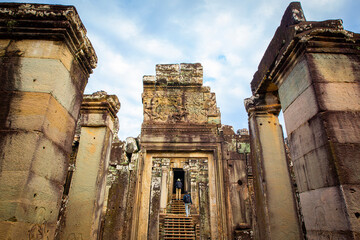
x=195, y=174
x=152, y=198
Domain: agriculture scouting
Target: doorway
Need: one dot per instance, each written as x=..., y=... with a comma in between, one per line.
x=179, y=173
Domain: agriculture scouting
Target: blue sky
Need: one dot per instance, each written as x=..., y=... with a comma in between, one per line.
x=227, y=37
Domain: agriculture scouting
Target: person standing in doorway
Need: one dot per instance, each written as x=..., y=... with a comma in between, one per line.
x=178, y=186
x=187, y=200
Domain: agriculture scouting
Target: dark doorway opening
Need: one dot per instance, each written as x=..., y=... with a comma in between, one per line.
x=179, y=174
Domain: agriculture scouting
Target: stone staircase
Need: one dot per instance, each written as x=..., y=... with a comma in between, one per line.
x=176, y=207
x=175, y=225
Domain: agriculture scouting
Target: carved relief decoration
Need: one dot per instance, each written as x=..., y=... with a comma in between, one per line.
x=176, y=95
x=179, y=106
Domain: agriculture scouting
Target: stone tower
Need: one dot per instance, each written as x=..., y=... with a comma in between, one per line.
x=181, y=138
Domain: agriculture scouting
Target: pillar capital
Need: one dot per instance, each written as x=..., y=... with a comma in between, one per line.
x=99, y=109
x=48, y=22
x=262, y=104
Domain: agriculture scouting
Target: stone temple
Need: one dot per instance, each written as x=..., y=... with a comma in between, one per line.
x=64, y=174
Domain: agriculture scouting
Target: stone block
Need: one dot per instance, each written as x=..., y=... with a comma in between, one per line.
x=229, y=150
x=238, y=193
x=149, y=79
x=342, y=127
x=338, y=96
x=191, y=73
x=49, y=76
x=131, y=145
x=315, y=170
x=303, y=108
x=335, y=68
x=307, y=137
x=324, y=210
x=36, y=201
x=168, y=73
x=32, y=177
x=96, y=120
x=50, y=161
x=24, y=151
x=116, y=153
x=9, y=71
x=44, y=198
x=237, y=172
x=347, y=162
x=18, y=149
x=295, y=83
x=326, y=235
x=79, y=79
x=10, y=230
x=12, y=185
x=43, y=49
x=41, y=112
x=351, y=197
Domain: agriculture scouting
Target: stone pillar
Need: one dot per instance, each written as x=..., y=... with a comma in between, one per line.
x=204, y=210
x=315, y=68
x=325, y=138
x=155, y=198
x=164, y=188
x=45, y=60
x=86, y=195
x=171, y=183
x=275, y=202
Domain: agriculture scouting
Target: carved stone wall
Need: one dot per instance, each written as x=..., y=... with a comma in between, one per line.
x=176, y=95
x=122, y=179
x=235, y=153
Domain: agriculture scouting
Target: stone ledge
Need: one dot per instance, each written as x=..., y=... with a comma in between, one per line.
x=50, y=22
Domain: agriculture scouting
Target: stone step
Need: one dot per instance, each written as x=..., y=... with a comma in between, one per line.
x=185, y=219
x=172, y=234
x=179, y=237
x=179, y=231
x=178, y=221
x=178, y=227
x=175, y=225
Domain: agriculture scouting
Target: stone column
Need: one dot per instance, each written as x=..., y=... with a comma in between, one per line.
x=45, y=60
x=86, y=195
x=155, y=198
x=315, y=68
x=324, y=139
x=164, y=187
x=275, y=202
x=171, y=183
x=204, y=210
